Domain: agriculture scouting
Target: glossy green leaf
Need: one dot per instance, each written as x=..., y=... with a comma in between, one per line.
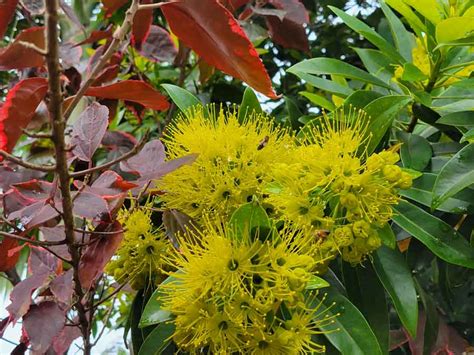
x=431, y=9
x=455, y=176
x=316, y=282
x=153, y=313
x=181, y=97
x=416, y=151
x=250, y=218
x=377, y=63
x=294, y=113
x=458, y=119
x=422, y=192
x=402, y=38
x=382, y=112
x=412, y=18
x=369, y=33
x=454, y=28
x=354, y=335
x=324, y=84
x=361, y=98
x=437, y=235
x=249, y=104
x=395, y=276
x=468, y=136
x=412, y=73
x=318, y=100
x=158, y=340
x=387, y=236
x=319, y=66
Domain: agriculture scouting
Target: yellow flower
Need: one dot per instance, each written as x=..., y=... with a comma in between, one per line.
x=230, y=291
x=233, y=162
x=139, y=259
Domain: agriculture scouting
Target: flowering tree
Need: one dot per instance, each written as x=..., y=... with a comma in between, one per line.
x=144, y=187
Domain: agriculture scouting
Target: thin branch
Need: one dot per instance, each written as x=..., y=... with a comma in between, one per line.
x=151, y=6
x=21, y=162
x=118, y=37
x=136, y=149
x=37, y=135
x=34, y=47
x=41, y=243
x=12, y=276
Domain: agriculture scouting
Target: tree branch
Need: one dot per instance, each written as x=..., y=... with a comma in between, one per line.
x=41, y=243
x=118, y=37
x=151, y=6
x=21, y=162
x=136, y=149
x=12, y=276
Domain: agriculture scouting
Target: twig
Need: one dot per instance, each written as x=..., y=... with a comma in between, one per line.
x=125, y=156
x=37, y=135
x=34, y=47
x=12, y=276
x=41, y=243
x=118, y=37
x=151, y=6
x=21, y=162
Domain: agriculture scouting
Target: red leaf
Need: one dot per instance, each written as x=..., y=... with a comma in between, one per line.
x=91, y=206
x=41, y=259
x=88, y=131
x=19, y=109
x=7, y=10
x=42, y=324
x=65, y=338
x=110, y=6
x=147, y=160
x=159, y=46
x=96, y=36
x=10, y=175
x=107, y=74
x=132, y=90
x=8, y=261
x=110, y=184
x=99, y=253
x=62, y=288
x=17, y=56
x=213, y=33
x=56, y=234
x=290, y=32
x=233, y=5
x=141, y=25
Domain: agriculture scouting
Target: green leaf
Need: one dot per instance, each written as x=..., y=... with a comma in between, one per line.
x=454, y=28
x=422, y=192
x=412, y=73
x=354, y=335
x=382, y=112
x=413, y=20
x=416, y=151
x=431, y=9
x=158, y=339
x=402, y=38
x=395, y=276
x=250, y=218
x=318, y=100
x=249, y=104
x=463, y=42
x=369, y=33
x=319, y=66
x=468, y=136
x=316, y=283
x=324, y=84
x=182, y=98
x=438, y=236
x=458, y=119
x=361, y=98
x=455, y=176
x=294, y=113
x=377, y=63
x=366, y=292
x=387, y=236
x=138, y=334
x=153, y=314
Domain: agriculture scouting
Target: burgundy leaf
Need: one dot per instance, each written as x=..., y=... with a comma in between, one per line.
x=132, y=90
x=10, y=175
x=63, y=341
x=96, y=36
x=17, y=56
x=116, y=139
x=141, y=25
x=62, y=287
x=159, y=46
x=19, y=108
x=56, y=234
x=34, y=7
x=34, y=189
x=168, y=167
x=36, y=214
x=211, y=30
x=99, y=252
x=42, y=324
x=14, y=201
x=295, y=10
x=110, y=184
x=70, y=13
x=90, y=206
x=7, y=10
x=20, y=296
x=70, y=55
x=89, y=130
x=147, y=160
x=8, y=259
x=41, y=259
x=109, y=73
x=110, y=6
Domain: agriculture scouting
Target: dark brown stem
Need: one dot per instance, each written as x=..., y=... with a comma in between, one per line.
x=21, y=162
x=125, y=156
x=58, y=124
x=118, y=37
x=412, y=124
x=37, y=135
x=12, y=276
x=41, y=243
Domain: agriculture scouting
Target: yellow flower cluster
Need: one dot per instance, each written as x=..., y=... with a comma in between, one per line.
x=233, y=162
x=331, y=190
x=238, y=293
x=139, y=258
